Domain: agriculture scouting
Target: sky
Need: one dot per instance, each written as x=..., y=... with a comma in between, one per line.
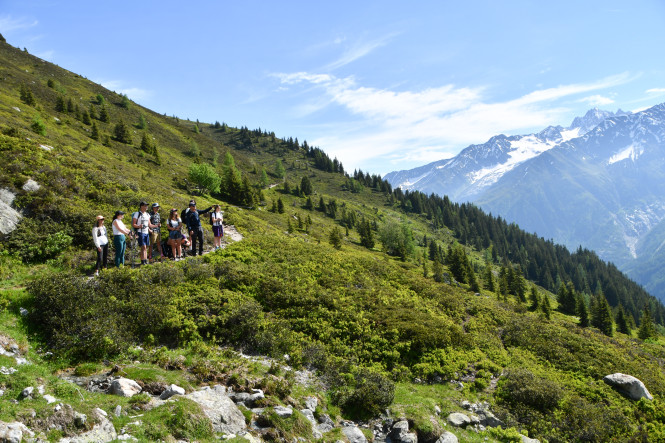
x=381, y=85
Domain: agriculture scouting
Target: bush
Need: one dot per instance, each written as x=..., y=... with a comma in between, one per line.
x=370, y=394
x=522, y=388
x=205, y=177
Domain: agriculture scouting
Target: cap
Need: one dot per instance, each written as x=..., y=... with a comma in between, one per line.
x=155, y=205
x=117, y=213
x=100, y=217
x=192, y=203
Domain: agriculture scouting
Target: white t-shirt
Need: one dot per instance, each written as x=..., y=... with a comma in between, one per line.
x=217, y=215
x=142, y=218
x=117, y=223
x=99, y=236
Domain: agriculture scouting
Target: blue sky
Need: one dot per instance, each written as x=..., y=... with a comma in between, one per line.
x=381, y=85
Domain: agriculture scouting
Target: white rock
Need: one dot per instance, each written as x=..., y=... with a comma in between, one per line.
x=124, y=387
x=7, y=371
x=31, y=186
x=447, y=437
x=283, y=411
x=526, y=439
x=171, y=391
x=117, y=411
x=21, y=361
x=49, y=399
x=459, y=420
x=354, y=434
x=629, y=385
x=23, y=312
x=224, y=414
x=47, y=147
x=311, y=403
x=16, y=108
x=27, y=392
x=14, y=432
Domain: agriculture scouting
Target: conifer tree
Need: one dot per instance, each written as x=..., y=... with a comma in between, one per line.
x=336, y=237
x=70, y=105
x=121, y=133
x=92, y=112
x=85, y=118
x=124, y=101
x=103, y=115
x=94, y=132
x=26, y=95
x=601, y=315
x=231, y=179
x=60, y=105
x=142, y=124
x=279, y=169
x=582, y=311
x=366, y=235
x=546, y=307
x=622, y=321
x=534, y=298
x=289, y=225
x=488, y=277
x=306, y=186
x=322, y=205
x=146, y=143
x=264, y=181
x=280, y=205
x=647, y=328
x=437, y=270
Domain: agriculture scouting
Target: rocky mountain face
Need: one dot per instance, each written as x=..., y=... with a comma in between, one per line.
x=598, y=184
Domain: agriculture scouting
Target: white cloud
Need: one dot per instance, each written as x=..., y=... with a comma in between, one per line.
x=9, y=24
x=434, y=123
x=358, y=50
x=136, y=94
x=597, y=100
x=656, y=91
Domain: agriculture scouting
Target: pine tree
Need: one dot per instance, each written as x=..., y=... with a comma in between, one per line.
x=146, y=143
x=279, y=169
x=366, y=235
x=601, y=315
x=124, y=101
x=60, y=105
x=622, y=321
x=437, y=270
x=142, y=124
x=85, y=118
x=488, y=277
x=336, y=237
x=104, y=115
x=121, y=133
x=70, y=105
x=26, y=95
x=647, y=328
x=306, y=186
x=582, y=311
x=264, y=181
x=280, y=205
x=546, y=307
x=232, y=179
x=94, y=133
x=92, y=112
x=534, y=298
x=289, y=226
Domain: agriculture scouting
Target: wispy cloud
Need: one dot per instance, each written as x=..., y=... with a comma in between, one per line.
x=357, y=50
x=655, y=91
x=134, y=93
x=9, y=24
x=432, y=123
x=597, y=100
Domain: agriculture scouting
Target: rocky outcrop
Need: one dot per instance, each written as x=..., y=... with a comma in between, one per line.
x=220, y=409
x=102, y=431
x=9, y=217
x=14, y=432
x=628, y=385
x=124, y=387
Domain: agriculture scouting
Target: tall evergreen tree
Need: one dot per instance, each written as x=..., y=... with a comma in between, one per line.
x=647, y=328
x=121, y=133
x=534, y=298
x=26, y=95
x=94, y=132
x=103, y=114
x=306, y=186
x=601, y=315
x=546, y=307
x=231, y=179
x=622, y=321
x=279, y=169
x=582, y=311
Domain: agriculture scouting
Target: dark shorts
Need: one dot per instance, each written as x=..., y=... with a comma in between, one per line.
x=144, y=239
x=175, y=235
x=218, y=231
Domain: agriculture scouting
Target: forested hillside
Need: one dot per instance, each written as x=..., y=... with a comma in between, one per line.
x=387, y=295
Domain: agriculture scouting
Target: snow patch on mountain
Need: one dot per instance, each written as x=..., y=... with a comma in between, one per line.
x=632, y=152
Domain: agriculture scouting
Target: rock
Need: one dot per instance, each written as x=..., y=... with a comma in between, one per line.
x=399, y=431
x=309, y=415
x=240, y=397
x=325, y=419
x=117, y=411
x=102, y=432
x=9, y=217
x=31, y=186
x=283, y=411
x=466, y=405
x=311, y=403
x=526, y=439
x=628, y=385
x=324, y=427
x=80, y=419
x=459, y=420
x=224, y=414
x=354, y=434
x=447, y=437
x=437, y=410
x=488, y=419
x=27, y=392
x=257, y=394
x=7, y=371
x=21, y=361
x=23, y=311
x=171, y=391
x=14, y=432
x=124, y=387
x=49, y=399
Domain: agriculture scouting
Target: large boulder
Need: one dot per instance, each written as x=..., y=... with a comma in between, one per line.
x=124, y=387
x=459, y=420
x=447, y=437
x=216, y=404
x=400, y=433
x=171, y=391
x=628, y=385
x=354, y=434
x=9, y=217
x=102, y=431
x=14, y=432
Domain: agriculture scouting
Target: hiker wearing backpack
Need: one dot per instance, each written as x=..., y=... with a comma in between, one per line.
x=216, y=220
x=141, y=224
x=155, y=234
x=101, y=242
x=174, y=225
x=119, y=232
x=194, y=226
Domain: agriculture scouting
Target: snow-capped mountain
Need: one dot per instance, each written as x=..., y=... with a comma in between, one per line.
x=464, y=177
x=599, y=183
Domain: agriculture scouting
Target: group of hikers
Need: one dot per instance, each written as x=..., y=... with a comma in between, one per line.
x=146, y=230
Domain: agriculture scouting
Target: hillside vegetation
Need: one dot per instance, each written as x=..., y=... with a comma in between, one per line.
x=388, y=296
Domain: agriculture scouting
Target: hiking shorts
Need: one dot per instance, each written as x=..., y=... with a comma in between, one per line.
x=143, y=239
x=154, y=238
x=218, y=231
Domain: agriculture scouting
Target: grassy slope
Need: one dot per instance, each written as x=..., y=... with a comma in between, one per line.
x=361, y=305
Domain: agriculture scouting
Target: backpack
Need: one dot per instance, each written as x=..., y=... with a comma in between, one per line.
x=183, y=216
x=135, y=215
x=211, y=214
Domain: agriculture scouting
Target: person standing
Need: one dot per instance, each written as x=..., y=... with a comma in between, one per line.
x=155, y=233
x=101, y=242
x=194, y=226
x=174, y=225
x=217, y=218
x=119, y=233
x=141, y=223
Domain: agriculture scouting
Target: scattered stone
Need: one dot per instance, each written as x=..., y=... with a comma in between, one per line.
x=7, y=371
x=354, y=434
x=21, y=361
x=324, y=427
x=447, y=437
x=399, y=431
x=466, y=405
x=40, y=389
x=117, y=411
x=309, y=415
x=526, y=439
x=257, y=394
x=459, y=420
x=27, y=392
x=124, y=387
x=47, y=147
x=311, y=403
x=14, y=432
x=31, y=186
x=224, y=414
x=16, y=108
x=126, y=437
x=437, y=410
x=49, y=399
x=100, y=412
x=628, y=385
x=171, y=391
x=283, y=411
x=102, y=432
x=23, y=312
x=80, y=419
